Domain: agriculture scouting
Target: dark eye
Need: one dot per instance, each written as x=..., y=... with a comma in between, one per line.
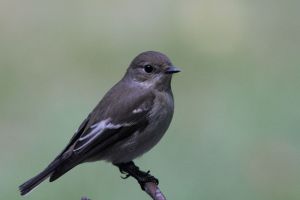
x=148, y=68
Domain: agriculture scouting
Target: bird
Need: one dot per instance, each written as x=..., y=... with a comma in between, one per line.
x=130, y=119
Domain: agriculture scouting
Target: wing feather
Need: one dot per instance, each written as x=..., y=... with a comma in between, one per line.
x=102, y=130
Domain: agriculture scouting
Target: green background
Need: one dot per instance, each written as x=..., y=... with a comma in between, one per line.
x=235, y=132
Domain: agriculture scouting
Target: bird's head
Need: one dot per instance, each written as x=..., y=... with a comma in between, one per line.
x=151, y=69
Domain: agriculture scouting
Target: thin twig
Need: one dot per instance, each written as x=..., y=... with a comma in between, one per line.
x=153, y=190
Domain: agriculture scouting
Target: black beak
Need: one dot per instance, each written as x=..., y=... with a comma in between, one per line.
x=172, y=70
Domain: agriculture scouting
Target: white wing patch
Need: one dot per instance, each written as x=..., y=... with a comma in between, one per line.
x=138, y=110
x=97, y=129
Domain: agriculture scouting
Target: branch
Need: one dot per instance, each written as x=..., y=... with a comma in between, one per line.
x=153, y=190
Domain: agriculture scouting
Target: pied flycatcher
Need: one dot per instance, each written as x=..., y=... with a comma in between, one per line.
x=130, y=119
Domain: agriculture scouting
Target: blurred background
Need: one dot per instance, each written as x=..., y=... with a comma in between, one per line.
x=235, y=132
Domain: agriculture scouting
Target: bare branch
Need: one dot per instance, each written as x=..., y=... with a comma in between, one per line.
x=153, y=190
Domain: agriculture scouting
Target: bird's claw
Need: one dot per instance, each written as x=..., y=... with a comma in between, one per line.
x=129, y=169
x=126, y=176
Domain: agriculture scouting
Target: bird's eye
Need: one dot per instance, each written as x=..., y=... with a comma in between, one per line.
x=148, y=68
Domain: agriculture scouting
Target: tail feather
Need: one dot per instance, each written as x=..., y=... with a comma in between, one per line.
x=36, y=180
x=62, y=169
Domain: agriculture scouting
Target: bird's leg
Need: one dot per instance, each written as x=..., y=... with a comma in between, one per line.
x=130, y=169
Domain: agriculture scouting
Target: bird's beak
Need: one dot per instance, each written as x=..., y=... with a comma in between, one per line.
x=172, y=70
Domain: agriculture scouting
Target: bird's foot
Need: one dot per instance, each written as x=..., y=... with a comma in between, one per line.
x=130, y=169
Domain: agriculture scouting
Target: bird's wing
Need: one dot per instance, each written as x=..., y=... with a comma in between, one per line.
x=110, y=130
x=113, y=122
x=104, y=127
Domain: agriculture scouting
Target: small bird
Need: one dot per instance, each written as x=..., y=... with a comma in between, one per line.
x=130, y=119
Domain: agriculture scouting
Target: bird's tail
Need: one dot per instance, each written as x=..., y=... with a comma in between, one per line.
x=36, y=180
